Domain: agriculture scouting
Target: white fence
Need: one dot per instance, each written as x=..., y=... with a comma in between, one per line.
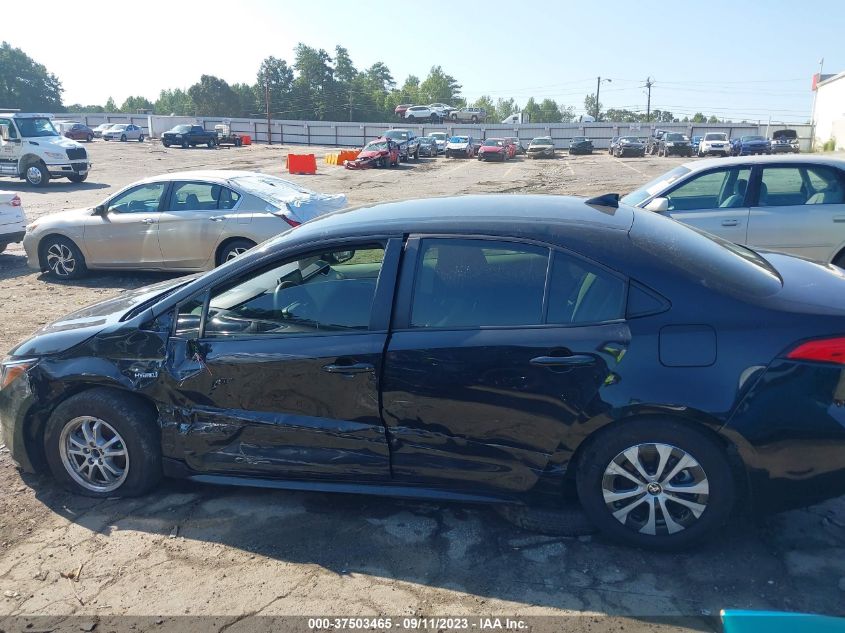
x=341, y=134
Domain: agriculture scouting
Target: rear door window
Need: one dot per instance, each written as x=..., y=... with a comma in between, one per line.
x=721, y=188
x=581, y=293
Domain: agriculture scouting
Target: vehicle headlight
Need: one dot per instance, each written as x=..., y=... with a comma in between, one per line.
x=54, y=155
x=670, y=144
x=177, y=135
x=11, y=369
x=31, y=227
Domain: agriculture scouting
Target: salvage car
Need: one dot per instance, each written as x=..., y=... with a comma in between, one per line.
x=518, y=147
x=74, y=130
x=714, y=143
x=629, y=146
x=750, y=144
x=541, y=147
x=653, y=141
x=401, y=109
x=674, y=144
x=428, y=147
x=785, y=142
x=440, y=138
x=124, y=132
x=505, y=349
x=12, y=219
x=790, y=204
x=460, y=147
x=382, y=152
x=98, y=131
x=469, y=115
x=580, y=145
x=184, y=222
x=423, y=113
x=493, y=149
x=695, y=142
x=409, y=143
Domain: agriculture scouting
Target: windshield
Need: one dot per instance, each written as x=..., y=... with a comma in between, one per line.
x=752, y=138
x=376, y=146
x=439, y=136
x=543, y=140
x=104, y=126
x=459, y=139
x=426, y=140
x=715, y=137
x=181, y=128
x=579, y=139
x=119, y=127
x=397, y=135
x=675, y=137
x=630, y=139
x=36, y=127
x=493, y=142
x=786, y=134
x=654, y=186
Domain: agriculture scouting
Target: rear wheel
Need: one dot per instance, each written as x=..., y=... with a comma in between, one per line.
x=655, y=483
x=141, y=138
x=100, y=443
x=234, y=249
x=90, y=138
x=62, y=258
x=77, y=177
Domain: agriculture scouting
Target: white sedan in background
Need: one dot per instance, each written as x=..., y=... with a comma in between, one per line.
x=187, y=222
x=124, y=132
x=12, y=219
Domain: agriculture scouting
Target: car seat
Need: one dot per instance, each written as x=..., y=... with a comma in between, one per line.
x=832, y=194
x=192, y=203
x=738, y=197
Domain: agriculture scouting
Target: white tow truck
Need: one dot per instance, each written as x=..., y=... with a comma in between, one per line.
x=33, y=150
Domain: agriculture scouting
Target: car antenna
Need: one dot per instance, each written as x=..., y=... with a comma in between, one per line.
x=605, y=200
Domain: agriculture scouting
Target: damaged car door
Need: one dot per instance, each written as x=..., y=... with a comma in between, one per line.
x=277, y=370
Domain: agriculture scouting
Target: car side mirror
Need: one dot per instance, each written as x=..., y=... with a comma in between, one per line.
x=658, y=205
x=101, y=210
x=4, y=132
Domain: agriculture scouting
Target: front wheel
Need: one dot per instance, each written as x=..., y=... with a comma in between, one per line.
x=184, y=144
x=37, y=175
x=62, y=258
x=77, y=177
x=123, y=137
x=234, y=249
x=211, y=143
x=100, y=443
x=165, y=143
x=656, y=483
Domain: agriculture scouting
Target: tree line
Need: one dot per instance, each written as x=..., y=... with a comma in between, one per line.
x=317, y=86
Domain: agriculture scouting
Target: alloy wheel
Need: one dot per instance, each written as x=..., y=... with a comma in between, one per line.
x=60, y=260
x=94, y=454
x=655, y=489
x=235, y=252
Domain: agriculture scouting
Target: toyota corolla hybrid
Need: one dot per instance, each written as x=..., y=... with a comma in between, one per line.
x=499, y=348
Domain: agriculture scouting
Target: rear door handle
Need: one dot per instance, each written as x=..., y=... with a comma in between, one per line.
x=839, y=218
x=217, y=218
x=563, y=361
x=148, y=221
x=355, y=368
x=730, y=222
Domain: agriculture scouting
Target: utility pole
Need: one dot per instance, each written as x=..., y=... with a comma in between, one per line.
x=267, y=106
x=649, y=82
x=598, y=89
x=350, y=104
x=813, y=119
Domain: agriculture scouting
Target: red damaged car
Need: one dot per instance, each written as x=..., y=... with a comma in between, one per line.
x=382, y=152
x=494, y=149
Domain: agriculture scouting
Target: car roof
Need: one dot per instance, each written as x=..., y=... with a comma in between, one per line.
x=708, y=163
x=526, y=215
x=216, y=175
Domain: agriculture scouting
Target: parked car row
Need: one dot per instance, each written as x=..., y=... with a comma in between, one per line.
x=439, y=112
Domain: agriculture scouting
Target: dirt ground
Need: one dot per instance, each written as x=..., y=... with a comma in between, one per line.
x=190, y=549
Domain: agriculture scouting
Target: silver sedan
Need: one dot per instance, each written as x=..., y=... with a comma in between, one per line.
x=124, y=132
x=186, y=222
x=794, y=205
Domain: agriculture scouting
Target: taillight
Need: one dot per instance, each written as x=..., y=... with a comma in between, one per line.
x=826, y=350
x=16, y=201
x=289, y=221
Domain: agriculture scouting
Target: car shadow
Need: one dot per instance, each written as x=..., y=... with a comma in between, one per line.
x=460, y=548
x=52, y=187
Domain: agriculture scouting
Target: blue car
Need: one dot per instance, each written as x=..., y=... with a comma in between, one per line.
x=694, y=141
x=750, y=144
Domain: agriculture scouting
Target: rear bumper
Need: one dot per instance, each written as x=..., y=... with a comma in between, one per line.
x=789, y=431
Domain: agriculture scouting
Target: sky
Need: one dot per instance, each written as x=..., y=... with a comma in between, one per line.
x=740, y=60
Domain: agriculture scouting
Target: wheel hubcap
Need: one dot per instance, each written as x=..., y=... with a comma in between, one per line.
x=235, y=252
x=60, y=260
x=94, y=454
x=33, y=175
x=655, y=489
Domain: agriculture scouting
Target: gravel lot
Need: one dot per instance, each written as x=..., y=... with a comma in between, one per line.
x=199, y=550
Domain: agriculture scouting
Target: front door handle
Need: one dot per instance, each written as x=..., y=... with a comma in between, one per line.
x=217, y=218
x=148, y=221
x=563, y=361
x=354, y=368
x=730, y=222
x=839, y=218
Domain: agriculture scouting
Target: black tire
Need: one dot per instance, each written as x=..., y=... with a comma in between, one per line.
x=711, y=457
x=566, y=520
x=165, y=143
x=3, y=246
x=123, y=138
x=77, y=177
x=57, y=246
x=417, y=154
x=90, y=137
x=136, y=425
x=382, y=163
x=184, y=144
x=141, y=138
x=211, y=143
x=37, y=174
x=233, y=249
x=238, y=141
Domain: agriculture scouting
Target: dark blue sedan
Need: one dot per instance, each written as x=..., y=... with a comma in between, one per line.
x=506, y=349
x=750, y=144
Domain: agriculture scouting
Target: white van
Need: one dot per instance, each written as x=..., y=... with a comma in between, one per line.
x=32, y=149
x=12, y=219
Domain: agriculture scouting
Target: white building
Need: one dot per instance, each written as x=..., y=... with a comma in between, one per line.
x=829, y=110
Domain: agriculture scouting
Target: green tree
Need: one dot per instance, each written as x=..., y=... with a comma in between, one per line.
x=592, y=107
x=567, y=114
x=133, y=104
x=439, y=87
x=549, y=112
x=313, y=89
x=212, y=96
x=111, y=106
x=247, y=101
x=531, y=110
x=26, y=84
x=487, y=104
x=713, y=119
x=505, y=108
x=275, y=75
x=698, y=117
x=175, y=101
x=90, y=109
